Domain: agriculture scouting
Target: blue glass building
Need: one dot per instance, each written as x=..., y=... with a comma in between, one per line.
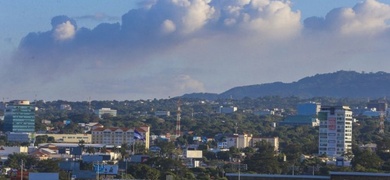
x=19, y=116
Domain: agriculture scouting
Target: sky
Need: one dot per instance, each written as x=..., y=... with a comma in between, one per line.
x=130, y=50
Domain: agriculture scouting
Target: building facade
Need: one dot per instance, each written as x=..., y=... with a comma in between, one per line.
x=308, y=109
x=248, y=140
x=69, y=138
x=274, y=141
x=227, y=110
x=19, y=116
x=102, y=111
x=335, y=138
x=119, y=136
x=300, y=120
x=19, y=137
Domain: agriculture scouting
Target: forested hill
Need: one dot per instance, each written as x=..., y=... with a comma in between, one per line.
x=348, y=84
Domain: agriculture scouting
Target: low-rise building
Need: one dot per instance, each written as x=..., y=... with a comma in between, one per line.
x=18, y=137
x=300, y=120
x=248, y=140
x=102, y=111
x=274, y=141
x=264, y=112
x=227, y=110
x=70, y=138
x=118, y=136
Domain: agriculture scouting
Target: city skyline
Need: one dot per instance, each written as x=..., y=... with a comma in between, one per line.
x=160, y=49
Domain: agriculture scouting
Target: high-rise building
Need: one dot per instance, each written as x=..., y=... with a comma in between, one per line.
x=19, y=116
x=335, y=137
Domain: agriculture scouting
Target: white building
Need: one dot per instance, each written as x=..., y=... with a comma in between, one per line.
x=227, y=110
x=248, y=140
x=102, y=111
x=335, y=138
x=118, y=136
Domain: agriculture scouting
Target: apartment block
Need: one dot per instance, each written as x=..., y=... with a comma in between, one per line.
x=335, y=138
x=118, y=135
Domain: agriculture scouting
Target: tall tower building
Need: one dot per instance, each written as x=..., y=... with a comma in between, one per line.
x=335, y=137
x=19, y=116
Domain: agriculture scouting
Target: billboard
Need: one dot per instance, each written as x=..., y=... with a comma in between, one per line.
x=332, y=124
x=332, y=130
x=194, y=154
x=105, y=169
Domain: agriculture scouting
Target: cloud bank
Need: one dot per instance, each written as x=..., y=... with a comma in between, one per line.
x=170, y=47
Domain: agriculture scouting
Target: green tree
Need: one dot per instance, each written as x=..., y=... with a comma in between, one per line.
x=15, y=160
x=366, y=161
x=41, y=139
x=264, y=160
x=49, y=165
x=124, y=150
x=143, y=171
x=90, y=150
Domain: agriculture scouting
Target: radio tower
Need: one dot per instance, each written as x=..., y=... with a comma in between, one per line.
x=178, y=114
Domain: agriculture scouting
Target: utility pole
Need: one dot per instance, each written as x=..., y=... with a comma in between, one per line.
x=21, y=170
x=98, y=170
x=239, y=168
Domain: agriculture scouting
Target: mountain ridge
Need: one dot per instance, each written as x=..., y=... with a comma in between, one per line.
x=347, y=84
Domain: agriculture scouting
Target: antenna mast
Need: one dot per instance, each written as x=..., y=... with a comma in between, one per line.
x=178, y=117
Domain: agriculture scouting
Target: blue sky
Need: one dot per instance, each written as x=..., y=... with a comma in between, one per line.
x=166, y=48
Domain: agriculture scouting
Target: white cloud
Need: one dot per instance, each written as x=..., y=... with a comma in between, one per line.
x=369, y=17
x=64, y=31
x=262, y=17
x=185, y=83
x=182, y=46
x=168, y=26
x=197, y=13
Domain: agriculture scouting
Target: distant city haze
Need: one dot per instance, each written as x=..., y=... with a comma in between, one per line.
x=128, y=50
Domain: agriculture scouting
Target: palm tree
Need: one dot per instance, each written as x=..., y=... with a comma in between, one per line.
x=103, y=149
x=123, y=150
